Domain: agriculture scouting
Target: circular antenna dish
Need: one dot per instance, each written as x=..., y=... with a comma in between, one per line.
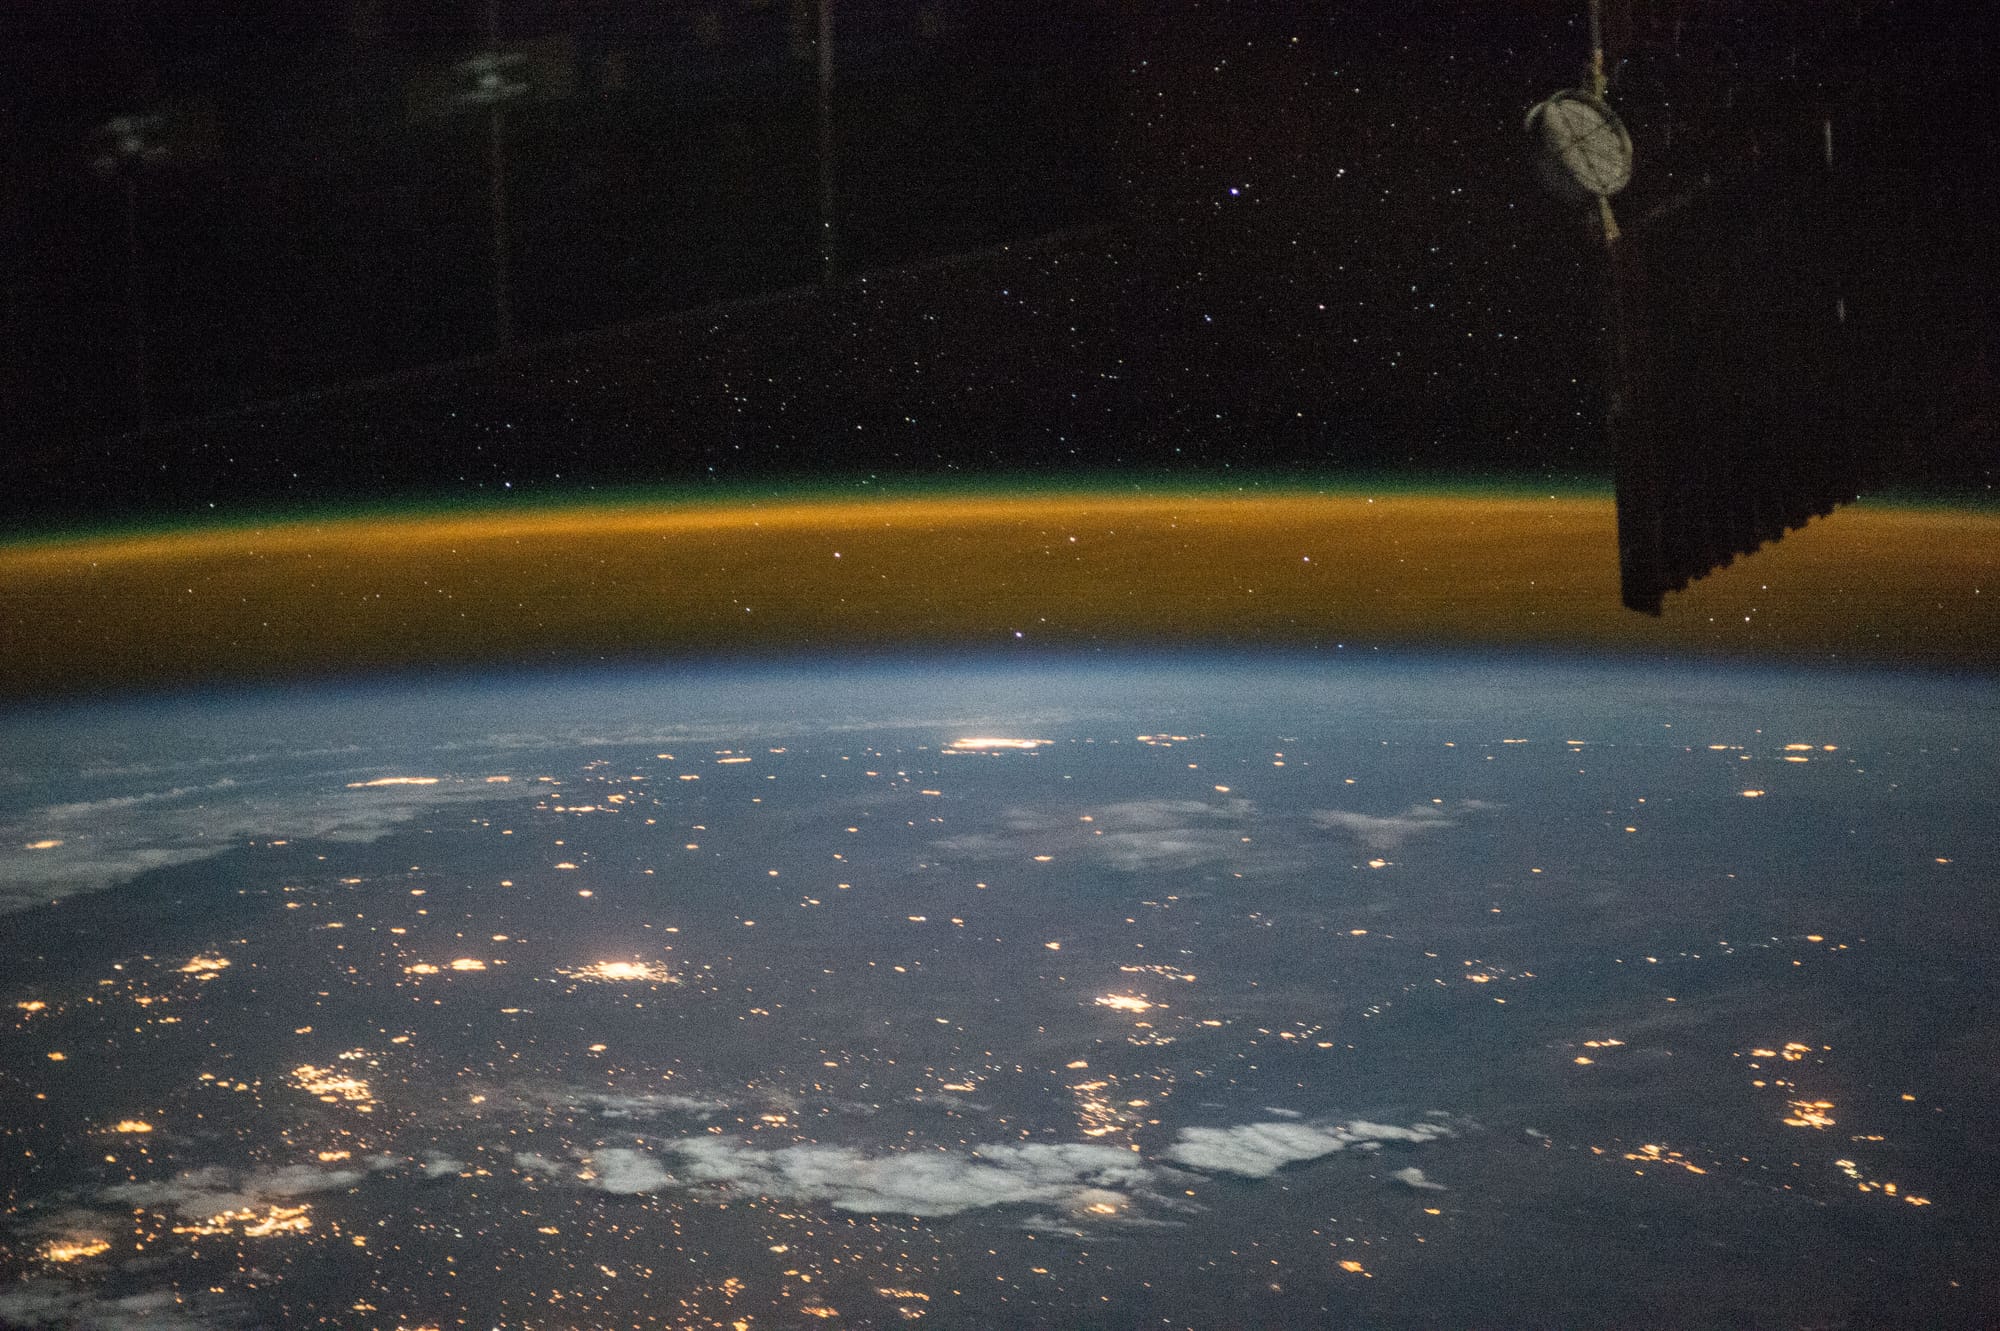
x=1582, y=151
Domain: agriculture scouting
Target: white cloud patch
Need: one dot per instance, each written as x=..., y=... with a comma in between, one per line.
x=1131, y=836
x=89, y=856
x=1259, y=1150
x=442, y=1166
x=626, y=1171
x=113, y=839
x=1137, y=852
x=84, y=812
x=51, y=1303
x=606, y=1104
x=913, y=1182
x=1161, y=814
x=1082, y=1180
x=216, y=1189
x=1387, y=832
x=528, y=1162
x=1414, y=1178
x=929, y=1183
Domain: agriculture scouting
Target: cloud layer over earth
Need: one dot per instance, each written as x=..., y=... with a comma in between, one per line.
x=1165, y=835
x=1388, y=831
x=49, y=1303
x=950, y=1182
x=214, y=1190
x=142, y=786
x=55, y=850
x=914, y=1183
x=1259, y=1150
x=1131, y=836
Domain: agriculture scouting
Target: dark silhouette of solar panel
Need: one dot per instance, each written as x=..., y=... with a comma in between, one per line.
x=1747, y=370
x=1731, y=420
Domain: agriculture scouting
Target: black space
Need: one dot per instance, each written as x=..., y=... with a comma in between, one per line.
x=1174, y=240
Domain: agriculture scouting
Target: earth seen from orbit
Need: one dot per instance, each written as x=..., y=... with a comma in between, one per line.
x=1347, y=989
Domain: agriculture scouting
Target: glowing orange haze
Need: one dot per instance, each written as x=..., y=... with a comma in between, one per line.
x=1866, y=584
